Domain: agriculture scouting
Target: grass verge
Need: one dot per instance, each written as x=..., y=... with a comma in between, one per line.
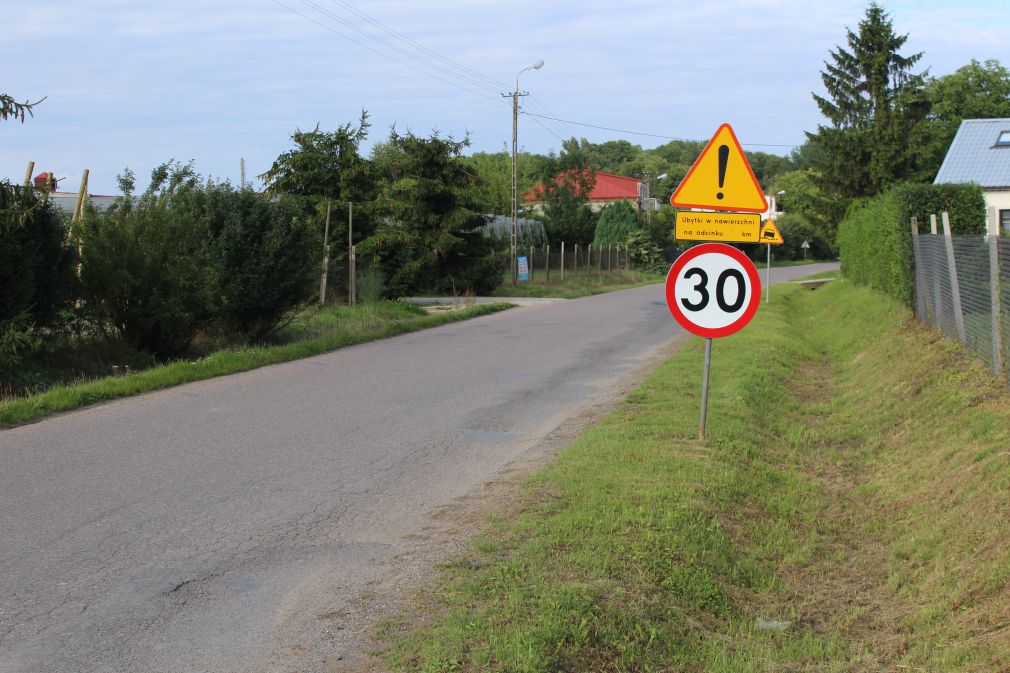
x=578, y=284
x=314, y=331
x=848, y=513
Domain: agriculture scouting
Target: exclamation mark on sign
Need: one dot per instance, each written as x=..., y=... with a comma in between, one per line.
x=723, y=159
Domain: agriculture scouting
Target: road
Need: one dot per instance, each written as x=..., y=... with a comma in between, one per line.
x=256, y=522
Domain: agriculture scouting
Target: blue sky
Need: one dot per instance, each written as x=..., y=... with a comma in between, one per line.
x=135, y=84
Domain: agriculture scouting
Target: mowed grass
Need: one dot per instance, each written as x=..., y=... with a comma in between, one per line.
x=315, y=330
x=848, y=512
x=580, y=283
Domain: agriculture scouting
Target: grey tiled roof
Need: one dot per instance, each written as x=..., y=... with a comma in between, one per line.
x=972, y=156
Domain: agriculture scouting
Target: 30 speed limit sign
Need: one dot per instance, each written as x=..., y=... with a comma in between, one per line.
x=713, y=290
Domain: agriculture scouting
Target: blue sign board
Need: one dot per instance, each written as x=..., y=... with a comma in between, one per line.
x=524, y=268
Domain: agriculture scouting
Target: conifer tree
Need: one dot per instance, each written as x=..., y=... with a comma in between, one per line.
x=875, y=109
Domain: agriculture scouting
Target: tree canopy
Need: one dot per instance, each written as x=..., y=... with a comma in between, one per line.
x=874, y=109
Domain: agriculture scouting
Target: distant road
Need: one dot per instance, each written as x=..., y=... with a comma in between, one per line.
x=242, y=524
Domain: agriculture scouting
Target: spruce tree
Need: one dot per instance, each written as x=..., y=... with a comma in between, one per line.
x=875, y=108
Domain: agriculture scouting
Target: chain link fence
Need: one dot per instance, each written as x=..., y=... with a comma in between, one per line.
x=962, y=287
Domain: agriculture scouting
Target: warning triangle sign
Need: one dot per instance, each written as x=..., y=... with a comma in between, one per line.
x=721, y=178
x=770, y=234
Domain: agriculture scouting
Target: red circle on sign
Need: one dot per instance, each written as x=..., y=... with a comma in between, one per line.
x=682, y=267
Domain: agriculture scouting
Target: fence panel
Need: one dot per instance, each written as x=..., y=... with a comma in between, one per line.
x=983, y=332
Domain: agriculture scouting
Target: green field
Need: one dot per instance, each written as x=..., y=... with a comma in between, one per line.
x=313, y=331
x=848, y=512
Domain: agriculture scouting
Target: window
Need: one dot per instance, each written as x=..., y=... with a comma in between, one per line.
x=1004, y=221
x=1003, y=140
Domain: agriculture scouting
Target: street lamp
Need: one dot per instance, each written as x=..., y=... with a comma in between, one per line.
x=515, y=198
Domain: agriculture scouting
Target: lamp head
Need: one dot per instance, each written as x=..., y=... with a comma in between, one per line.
x=539, y=64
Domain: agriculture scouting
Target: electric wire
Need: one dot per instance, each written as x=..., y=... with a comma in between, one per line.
x=643, y=133
x=470, y=79
x=351, y=25
x=331, y=29
x=406, y=38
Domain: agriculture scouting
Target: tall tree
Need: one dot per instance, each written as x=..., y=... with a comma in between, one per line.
x=974, y=91
x=874, y=109
x=431, y=236
x=323, y=164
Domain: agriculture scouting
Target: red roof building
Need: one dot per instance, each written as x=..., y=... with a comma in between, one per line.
x=607, y=189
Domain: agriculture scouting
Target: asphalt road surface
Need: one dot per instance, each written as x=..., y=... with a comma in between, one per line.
x=239, y=524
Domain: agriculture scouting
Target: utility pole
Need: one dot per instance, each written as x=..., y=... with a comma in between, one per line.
x=241, y=173
x=515, y=147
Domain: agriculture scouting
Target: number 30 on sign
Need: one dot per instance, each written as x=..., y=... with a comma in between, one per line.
x=713, y=290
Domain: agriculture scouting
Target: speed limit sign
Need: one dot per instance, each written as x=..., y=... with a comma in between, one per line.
x=713, y=290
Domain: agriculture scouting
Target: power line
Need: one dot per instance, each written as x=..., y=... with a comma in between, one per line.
x=330, y=28
x=350, y=24
x=379, y=24
x=642, y=133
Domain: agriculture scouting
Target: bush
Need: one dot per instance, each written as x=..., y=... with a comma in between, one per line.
x=147, y=273
x=875, y=238
x=644, y=253
x=795, y=229
x=266, y=253
x=616, y=222
x=37, y=280
x=36, y=261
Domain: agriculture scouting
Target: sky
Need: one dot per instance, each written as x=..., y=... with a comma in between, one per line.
x=135, y=84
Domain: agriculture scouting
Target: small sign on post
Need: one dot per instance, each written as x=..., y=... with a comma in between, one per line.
x=524, y=267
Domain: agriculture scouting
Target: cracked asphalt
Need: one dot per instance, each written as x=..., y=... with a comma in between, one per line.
x=264, y=521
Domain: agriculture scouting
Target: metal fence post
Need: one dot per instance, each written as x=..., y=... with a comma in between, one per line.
x=955, y=288
x=562, y=261
x=994, y=291
x=547, y=264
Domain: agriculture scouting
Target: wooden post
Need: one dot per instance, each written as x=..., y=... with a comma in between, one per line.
x=323, y=276
x=994, y=291
x=82, y=195
x=28, y=174
x=599, y=265
x=610, y=264
x=575, y=267
x=531, y=264
x=547, y=264
x=562, y=261
x=955, y=288
x=352, y=271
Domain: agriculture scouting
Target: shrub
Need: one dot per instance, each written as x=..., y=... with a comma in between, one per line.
x=645, y=254
x=875, y=238
x=266, y=253
x=37, y=280
x=146, y=268
x=36, y=260
x=795, y=229
x=617, y=221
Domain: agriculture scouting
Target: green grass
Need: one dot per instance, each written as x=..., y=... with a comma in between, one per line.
x=853, y=484
x=578, y=284
x=314, y=331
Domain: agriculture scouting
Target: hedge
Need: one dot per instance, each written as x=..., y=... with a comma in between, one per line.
x=875, y=238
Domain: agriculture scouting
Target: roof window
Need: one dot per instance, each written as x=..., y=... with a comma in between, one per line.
x=1003, y=140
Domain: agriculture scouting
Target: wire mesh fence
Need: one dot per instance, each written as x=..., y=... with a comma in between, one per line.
x=552, y=264
x=962, y=287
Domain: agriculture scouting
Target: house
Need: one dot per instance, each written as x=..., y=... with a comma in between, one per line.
x=67, y=201
x=980, y=153
x=609, y=188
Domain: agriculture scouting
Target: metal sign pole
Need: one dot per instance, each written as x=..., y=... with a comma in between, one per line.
x=768, y=277
x=704, y=389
